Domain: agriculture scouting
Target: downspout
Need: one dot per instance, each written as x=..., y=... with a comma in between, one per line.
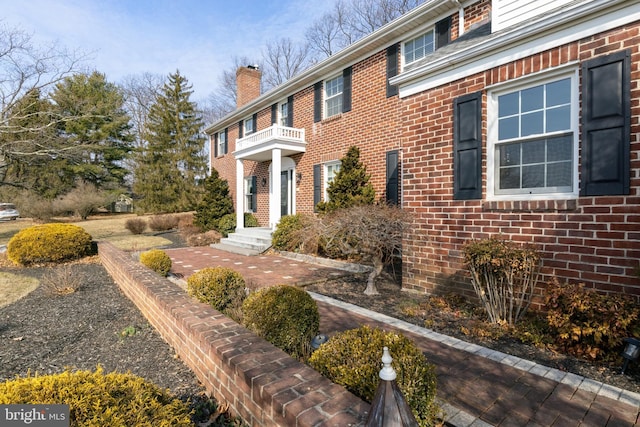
x=460, y=17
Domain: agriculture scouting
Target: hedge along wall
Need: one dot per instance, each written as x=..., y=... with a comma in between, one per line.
x=261, y=383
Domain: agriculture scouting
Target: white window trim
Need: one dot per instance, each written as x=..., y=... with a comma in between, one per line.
x=492, y=131
x=325, y=176
x=247, y=184
x=220, y=151
x=280, y=116
x=403, y=62
x=325, y=98
x=246, y=130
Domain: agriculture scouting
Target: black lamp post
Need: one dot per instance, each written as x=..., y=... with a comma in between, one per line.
x=631, y=352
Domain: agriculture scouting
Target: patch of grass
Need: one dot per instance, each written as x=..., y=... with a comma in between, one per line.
x=15, y=286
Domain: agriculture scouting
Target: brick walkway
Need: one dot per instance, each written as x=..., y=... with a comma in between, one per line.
x=479, y=387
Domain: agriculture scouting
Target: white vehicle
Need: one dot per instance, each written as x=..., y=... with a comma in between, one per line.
x=8, y=211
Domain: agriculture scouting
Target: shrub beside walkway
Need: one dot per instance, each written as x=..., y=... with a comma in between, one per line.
x=480, y=387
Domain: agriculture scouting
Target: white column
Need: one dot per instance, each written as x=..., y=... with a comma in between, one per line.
x=274, y=202
x=239, y=194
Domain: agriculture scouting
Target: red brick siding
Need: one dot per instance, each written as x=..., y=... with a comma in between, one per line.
x=595, y=240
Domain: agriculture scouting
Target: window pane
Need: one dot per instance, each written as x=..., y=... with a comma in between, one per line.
x=509, y=178
x=533, y=176
x=508, y=128
x=559, y=92
x=559, y=118
x=508, y=105
x=559, y=149
x=533, y=152
x=510, y=155
x=559, y=174
x=532, y=124
x=532, y=99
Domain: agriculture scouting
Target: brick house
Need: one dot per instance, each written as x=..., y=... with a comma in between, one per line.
x=479, y=117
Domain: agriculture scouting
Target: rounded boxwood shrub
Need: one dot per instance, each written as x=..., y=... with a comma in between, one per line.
x=49, y=243
x=157, y=260
x=227, y=223
x=220, y=287
x=353, y=359
x=287, y=236
x=284, y=315
x=98, y=399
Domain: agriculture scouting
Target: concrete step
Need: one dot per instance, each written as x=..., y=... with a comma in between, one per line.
x=251, y=241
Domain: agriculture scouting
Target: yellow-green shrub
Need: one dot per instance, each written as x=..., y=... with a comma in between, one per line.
x=220, y=287
x=157, y=260
x=98, y=399
x=49, y=243
x=285, y=316
x=353, y=359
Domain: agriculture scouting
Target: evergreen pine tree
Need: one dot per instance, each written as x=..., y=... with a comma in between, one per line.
x=215, y=203
x=350, y=186
x=172, y=161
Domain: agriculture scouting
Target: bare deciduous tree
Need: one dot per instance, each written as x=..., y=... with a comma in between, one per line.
x=283, y=59
x=371, y=232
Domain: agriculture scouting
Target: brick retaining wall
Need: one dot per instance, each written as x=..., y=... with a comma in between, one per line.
x=261, y=383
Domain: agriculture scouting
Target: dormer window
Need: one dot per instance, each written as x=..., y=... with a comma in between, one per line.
x=419, y=47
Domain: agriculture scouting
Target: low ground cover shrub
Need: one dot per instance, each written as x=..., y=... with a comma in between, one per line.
x=99, y=399
x=157, y=260
x=284, y=315
x=136, y=225
x=353, y=360
x=163, y=222
x=222, y=288
x=589, y=324
x=49, y=243
x=504, y=276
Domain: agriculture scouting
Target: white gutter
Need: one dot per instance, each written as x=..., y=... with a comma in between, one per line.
x=384, y=36
x=490, y=53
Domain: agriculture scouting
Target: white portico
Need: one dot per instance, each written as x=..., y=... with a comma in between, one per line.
x=275, y=143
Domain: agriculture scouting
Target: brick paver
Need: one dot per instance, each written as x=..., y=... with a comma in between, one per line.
x=479, y=387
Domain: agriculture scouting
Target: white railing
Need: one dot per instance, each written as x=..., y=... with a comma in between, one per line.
x=273, y=133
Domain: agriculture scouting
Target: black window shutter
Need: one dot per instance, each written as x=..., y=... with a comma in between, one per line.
x=274, y=114
x=443, y=32
x=255, y=122
x=254, y=195
x=392, y=69
x=606, y=118
x=317, y=186
x=226, y=141
x=317, y=102
x=240, y=129
x=290, y=111
x=467, y=147
x=215, y=145
x=346, y=89
x=393, y=189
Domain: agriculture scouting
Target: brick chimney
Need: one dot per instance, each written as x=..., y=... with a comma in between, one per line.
x=247, y=84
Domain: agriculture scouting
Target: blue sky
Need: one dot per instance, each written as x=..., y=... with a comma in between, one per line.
x=198, y=37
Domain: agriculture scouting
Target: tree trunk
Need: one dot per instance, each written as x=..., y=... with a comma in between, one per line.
x=371, y=280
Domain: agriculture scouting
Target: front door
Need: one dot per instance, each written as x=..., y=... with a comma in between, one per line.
x=285, y=192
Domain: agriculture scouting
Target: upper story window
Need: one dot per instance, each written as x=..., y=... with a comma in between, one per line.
x=533, y=144
x=283, y=114
x=249, y=125
x=222, y=143
x=419, y=47
x=333, y=89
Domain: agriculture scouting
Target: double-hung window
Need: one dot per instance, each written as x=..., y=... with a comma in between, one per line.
x=333, y=96
x=222, y=143
x=419, y=47
x=249, y=125
x=533, y=139
x=284, y=113
x=330, y=171
x=250, y=194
